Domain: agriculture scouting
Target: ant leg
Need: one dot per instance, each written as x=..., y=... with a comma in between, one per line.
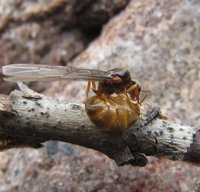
x=95, y=90
x=131, y=88
x=132, y=105
x=94, y=85
x=145, y=96
x=124, y=124
x=88, y=88
x=128, y=101
x=112, y=102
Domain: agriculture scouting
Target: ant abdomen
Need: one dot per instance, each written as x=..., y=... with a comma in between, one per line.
x=116, y=113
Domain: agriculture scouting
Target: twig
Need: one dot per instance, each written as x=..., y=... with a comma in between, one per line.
x=27, y=119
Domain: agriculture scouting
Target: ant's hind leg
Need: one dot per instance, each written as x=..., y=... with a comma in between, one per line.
x=88, y=88
x=94, y=89
x=94, y=86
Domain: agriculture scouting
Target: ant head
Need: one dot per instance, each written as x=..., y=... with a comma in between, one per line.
x=122, y=73
x=137, y=83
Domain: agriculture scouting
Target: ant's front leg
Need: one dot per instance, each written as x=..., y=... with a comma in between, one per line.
x=146, y=93
x=134, y=92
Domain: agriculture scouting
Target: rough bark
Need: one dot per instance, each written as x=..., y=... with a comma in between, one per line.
x=29, y=119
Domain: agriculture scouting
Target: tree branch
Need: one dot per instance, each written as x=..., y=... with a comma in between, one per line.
x=27, y=119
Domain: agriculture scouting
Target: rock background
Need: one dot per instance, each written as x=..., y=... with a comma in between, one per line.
x=158, y=41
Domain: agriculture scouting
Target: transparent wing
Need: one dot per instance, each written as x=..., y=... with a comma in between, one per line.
x=37, y=72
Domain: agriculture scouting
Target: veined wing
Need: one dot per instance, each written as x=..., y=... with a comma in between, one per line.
x=38, y=72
